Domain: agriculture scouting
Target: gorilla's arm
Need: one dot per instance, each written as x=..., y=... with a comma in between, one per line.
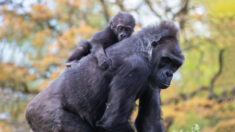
x=123, y=91
x=149, y=116
x=82, y=49
x=98, y=42
x=98, y=51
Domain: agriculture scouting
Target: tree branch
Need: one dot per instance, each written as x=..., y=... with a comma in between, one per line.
x=182, y=13
x=183, y=10
x=123, y=8
x=105, y=9
x=185, y=96
x=5, y=2
x=120, y=4
x=152, y=9
x=215, y=77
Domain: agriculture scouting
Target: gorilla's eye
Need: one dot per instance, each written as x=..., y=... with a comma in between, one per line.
x=120, y=28
x=154, y=43
x=165, y=61
x=127, y=29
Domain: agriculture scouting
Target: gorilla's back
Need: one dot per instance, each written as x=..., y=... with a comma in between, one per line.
x=78, y=89
x=84, y=84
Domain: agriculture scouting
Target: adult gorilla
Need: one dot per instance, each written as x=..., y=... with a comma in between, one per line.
x=85, y=98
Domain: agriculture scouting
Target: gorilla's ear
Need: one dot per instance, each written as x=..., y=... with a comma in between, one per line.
x=168, y=29
x=111, y=24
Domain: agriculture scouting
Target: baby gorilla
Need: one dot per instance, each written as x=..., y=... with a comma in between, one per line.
x=119, y=28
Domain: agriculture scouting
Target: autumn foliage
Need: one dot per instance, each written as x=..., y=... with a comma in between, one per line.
x=36, y=38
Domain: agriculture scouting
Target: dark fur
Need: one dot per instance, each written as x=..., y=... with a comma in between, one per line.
x=85, y=98
x=105, y=38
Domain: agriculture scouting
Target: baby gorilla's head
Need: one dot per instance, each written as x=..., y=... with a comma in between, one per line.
x=122, y=25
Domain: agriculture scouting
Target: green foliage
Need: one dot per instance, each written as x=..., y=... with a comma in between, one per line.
x=45, y=32
x=196, y=128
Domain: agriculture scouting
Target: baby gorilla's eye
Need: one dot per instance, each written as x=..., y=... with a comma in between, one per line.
x=128, y=29
x=120, y=28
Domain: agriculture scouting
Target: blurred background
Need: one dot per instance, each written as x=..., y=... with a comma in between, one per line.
x=36, y=37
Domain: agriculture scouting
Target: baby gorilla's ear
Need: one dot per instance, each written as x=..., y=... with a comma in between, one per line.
x=113, y=24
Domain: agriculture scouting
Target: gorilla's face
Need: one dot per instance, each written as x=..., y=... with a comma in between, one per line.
x=122, y=25
x=167, y=57
x=123, y=31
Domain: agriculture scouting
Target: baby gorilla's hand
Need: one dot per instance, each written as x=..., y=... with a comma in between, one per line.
x=105, y=62
x=69, y=64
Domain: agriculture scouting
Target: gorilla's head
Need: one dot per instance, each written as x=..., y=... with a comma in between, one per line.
x=166, y=56
x=122, y=25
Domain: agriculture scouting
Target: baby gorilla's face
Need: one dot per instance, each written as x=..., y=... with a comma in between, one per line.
x=122, y=25
x=123, y=31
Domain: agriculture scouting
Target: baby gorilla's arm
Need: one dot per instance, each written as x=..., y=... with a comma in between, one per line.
x=82, y=49
x=97, y=49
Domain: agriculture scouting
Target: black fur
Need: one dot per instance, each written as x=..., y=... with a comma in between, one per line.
x=119, y=28
x=85, y=98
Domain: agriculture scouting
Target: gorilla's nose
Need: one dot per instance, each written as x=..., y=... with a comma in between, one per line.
x=169, y=74
x=123, y=36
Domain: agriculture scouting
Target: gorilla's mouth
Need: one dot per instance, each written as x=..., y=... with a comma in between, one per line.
x=163, y=85
x=121, y=38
